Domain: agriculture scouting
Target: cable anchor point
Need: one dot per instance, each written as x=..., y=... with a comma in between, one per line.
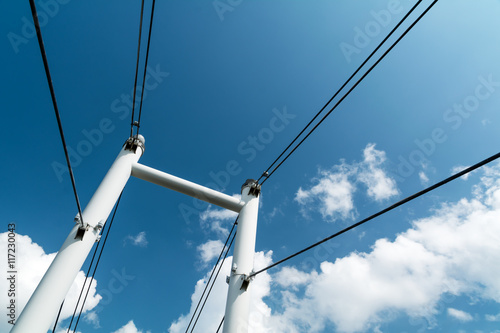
x=135, y=141
x=255, y=187
x=83, y=227
x=246, y=281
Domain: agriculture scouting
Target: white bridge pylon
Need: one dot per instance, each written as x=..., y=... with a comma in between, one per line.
x=41, y=309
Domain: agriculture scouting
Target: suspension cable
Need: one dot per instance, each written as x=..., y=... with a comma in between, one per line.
x=266, y=173
x=54, y=103
x=83, y=288
x=98, y=260
x=341, y=88
x=141, y=97
x=137, y=69
x=145, y=66
x=397, y=204
x=220, y=325
x=213, y=283
x=211, y=275
x=57, y=318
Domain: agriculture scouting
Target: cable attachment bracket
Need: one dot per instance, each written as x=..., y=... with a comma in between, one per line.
x=134, y=142
x=246, y=281
x=255, y=187
x=83, y=227
x=78, y=219
x=98, y=229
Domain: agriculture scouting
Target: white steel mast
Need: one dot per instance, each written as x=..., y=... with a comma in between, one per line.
x=239, y=293
x=41, y=309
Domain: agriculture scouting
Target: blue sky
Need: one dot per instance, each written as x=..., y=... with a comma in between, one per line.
x=222, y=75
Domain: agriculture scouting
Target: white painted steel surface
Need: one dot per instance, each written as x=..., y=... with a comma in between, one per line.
x=186, y=187
x=41, y=310
x=238, y=300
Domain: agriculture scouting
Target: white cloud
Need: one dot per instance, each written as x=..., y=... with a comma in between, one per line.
x=210, y=250
x=485, y=122
x=458, y=168
x=93, y=318
x=492, y=317
x=128, y=328
x=218, y=214
x=291, y=277
x=64, y=330
x=275, y=211
x=333, y=192
x=453, y=252
x=424, y=180
x=32, y=262
x=216, y=226
x=214, y=219
x=380, y=186
x=354, y=292
x=460, y=315
x=137, y=240
x=215, y=306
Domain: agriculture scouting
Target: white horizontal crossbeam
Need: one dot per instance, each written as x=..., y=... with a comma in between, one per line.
x=184, y=186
